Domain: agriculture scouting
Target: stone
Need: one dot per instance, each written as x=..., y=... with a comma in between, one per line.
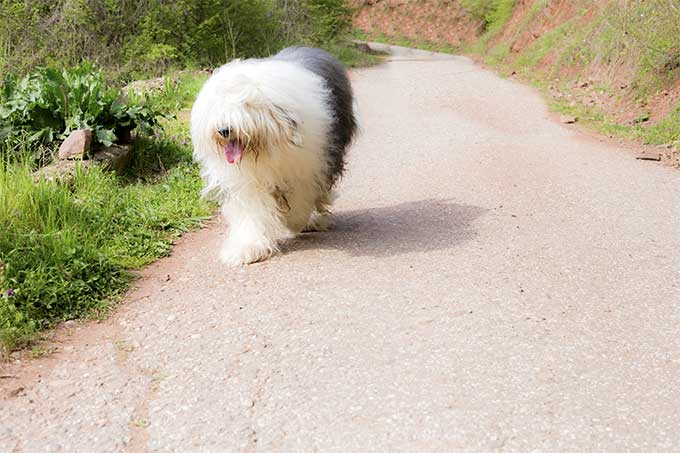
x=649, y=154
x=363, y=47
x=115, y=158
x=150, y=86
x=61, y=169
x=77, y=145
x=568, y=119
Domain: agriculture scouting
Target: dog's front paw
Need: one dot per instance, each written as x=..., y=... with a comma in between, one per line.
x=318, y=221
x=241, y=254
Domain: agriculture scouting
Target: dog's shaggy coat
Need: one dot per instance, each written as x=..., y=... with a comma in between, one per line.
x=271, y=136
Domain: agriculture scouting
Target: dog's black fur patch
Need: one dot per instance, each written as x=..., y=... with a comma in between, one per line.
x=341, y=101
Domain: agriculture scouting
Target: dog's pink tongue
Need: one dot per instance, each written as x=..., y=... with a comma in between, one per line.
x=233, y=150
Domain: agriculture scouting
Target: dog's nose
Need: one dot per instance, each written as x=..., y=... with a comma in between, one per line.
x=224, y=132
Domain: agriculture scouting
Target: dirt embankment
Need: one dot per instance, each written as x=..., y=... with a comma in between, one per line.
x=608, y=62
x=428, y=21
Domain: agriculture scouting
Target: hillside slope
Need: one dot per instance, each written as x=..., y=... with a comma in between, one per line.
x=613, y=64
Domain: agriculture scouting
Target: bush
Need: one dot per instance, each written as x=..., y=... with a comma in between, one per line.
x=139, y=39
x=48, y=104
x=644, y=31
x=315, y=22
x=201, y=33
x=492, y=13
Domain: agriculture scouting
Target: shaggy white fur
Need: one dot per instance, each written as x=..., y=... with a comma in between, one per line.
x=259, y=131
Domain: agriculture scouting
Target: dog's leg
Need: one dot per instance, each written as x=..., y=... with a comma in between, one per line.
x=254, y=228
x=321, y=219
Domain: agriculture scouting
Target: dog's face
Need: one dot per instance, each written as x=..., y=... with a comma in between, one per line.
x=240, y=122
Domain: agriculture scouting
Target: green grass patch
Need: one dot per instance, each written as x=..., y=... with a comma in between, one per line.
x=178, y=91
x=665, y=132
x=533, y=55
x=66, y=248
x=353, y=57
x=494, y=15
x=498, y=54
x=591, y=117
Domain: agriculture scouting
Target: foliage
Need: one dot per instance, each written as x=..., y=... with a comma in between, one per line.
x=646, y=31
x=47, y=105
x=315, y=22
x=138, y=39
x=492, y=13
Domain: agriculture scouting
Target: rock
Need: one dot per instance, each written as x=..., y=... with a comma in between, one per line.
x=77, y=145
x=642, y=118
x=363, y=47
x=150, y=86
x=568, y=119
x=115, y=158
x=656, y=157
x=366, y=47
x=61, y=169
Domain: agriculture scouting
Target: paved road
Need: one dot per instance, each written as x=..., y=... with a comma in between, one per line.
x=496, y=281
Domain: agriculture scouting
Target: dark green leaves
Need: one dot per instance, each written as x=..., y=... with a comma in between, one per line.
x=48, y=104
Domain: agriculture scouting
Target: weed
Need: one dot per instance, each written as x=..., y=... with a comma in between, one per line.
x=47, y=105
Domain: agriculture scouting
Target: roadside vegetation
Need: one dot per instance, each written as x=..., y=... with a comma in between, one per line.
x=133, y=39
x=615, y=65
x=68, y=245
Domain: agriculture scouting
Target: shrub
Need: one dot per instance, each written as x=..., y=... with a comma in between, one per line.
x=493, y=13
x=48, y=104
x=138, y=39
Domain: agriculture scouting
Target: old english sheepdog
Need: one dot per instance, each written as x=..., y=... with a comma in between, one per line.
x=271, y=136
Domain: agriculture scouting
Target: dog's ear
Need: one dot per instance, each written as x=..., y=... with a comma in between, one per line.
x=288, y=124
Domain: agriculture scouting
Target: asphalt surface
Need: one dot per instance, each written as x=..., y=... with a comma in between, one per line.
x=496, y=281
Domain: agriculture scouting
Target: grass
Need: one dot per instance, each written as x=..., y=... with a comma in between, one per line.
x=498, y=54
x=353, y=57
x=494, y=15
x=178, y=91
x=67, y=248
x=533, y=55
x=664, y=132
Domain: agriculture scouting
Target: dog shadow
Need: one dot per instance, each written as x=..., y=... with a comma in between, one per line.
x=420, y=226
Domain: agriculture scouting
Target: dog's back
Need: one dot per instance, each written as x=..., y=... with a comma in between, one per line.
x=344, y=124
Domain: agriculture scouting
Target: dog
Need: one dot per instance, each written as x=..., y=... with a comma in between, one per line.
x=271, y=137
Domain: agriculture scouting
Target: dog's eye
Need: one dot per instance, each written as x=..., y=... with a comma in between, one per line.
x=224, y=132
